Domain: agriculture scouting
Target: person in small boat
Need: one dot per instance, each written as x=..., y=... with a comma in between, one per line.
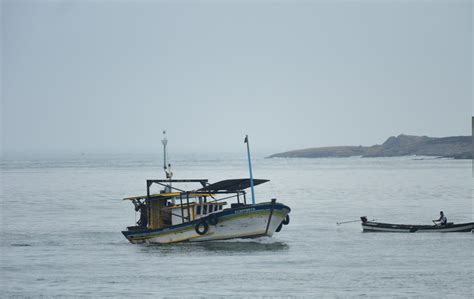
x=442, y=219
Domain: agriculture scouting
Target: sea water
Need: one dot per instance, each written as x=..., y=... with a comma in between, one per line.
x=61, y=219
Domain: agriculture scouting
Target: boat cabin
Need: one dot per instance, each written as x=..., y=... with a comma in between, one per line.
x=173, y=206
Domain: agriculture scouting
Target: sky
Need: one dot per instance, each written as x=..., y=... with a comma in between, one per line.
x=110, y=76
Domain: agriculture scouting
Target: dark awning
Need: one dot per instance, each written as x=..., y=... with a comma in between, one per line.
x=231, y=185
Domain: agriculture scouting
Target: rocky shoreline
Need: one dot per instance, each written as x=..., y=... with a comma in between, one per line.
x=456, y=147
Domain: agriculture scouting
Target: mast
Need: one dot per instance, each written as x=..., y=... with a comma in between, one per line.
x=166, y=165
x=250, y=168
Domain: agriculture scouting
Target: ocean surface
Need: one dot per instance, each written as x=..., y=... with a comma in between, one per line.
x=62, y=216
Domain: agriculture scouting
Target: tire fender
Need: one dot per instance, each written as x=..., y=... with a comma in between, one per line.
x=279, y=227
x=202, y=227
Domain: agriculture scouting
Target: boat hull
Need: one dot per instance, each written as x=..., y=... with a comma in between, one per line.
x=244, y=222
x=404, y=228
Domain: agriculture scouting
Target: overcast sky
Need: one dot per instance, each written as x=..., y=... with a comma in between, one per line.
x=110, y=76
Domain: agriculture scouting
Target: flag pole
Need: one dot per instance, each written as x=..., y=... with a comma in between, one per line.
x=250, y=168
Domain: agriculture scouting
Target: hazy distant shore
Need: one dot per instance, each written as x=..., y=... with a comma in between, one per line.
x=456, y=147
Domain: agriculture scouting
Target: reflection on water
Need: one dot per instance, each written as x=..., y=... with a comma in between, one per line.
x=234, y=246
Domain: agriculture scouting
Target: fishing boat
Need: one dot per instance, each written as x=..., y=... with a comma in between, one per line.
x=450, y=227
x=203, y=213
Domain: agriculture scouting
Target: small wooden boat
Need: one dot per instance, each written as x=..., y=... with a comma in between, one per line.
x=202, y=214
x=450, y=227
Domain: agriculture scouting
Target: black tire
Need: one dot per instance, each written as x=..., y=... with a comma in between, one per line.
x=286, y=221
x=212, y=219
x=279, y=227
x=203, y=225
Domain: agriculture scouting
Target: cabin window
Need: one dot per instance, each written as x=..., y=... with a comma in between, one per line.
x=220, y=207
x=198, y=210
x=204, y=210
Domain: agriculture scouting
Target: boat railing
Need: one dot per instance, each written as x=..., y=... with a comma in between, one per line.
x=173, y=205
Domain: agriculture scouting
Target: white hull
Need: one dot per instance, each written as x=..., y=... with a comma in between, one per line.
x=244, y=223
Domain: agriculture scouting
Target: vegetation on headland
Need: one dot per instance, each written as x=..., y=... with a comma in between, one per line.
x=457, y=147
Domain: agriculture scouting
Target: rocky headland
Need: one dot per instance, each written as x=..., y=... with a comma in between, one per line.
x=457, y=147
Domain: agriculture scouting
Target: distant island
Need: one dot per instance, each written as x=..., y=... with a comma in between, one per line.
x=457, y=147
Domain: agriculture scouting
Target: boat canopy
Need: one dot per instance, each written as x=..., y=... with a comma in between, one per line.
x=232, y=185
x=225, y=186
